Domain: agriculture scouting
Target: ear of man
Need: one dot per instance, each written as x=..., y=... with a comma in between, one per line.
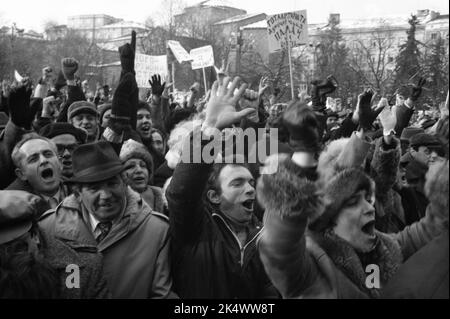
x=20, y=174
x=213, y=196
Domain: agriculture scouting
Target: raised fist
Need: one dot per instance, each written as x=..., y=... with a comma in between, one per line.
x=69, y=66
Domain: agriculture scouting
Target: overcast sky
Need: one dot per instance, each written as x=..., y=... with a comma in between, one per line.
x=32, y=14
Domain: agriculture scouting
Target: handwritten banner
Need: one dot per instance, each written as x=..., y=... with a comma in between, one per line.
x=148, y=65
x=202, y=57
x=287, y=29
x=178, y=51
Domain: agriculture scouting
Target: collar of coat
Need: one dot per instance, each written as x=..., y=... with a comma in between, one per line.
x=70, y=226
x=386, y=255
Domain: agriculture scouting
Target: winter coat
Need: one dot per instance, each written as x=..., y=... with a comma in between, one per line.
x=208, y=259
x=309, y=264
x=424, y=275
x=135, y=251
x=61, y=256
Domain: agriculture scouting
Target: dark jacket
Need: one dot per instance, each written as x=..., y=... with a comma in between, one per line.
x=208, y=260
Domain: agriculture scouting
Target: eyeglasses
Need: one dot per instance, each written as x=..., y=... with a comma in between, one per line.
x=69, y=147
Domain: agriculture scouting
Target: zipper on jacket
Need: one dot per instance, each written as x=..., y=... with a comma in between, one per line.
x=241, y=248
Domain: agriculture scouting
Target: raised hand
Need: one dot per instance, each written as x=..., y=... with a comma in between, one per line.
x=221, y=108
x=19, y=105
x=157, y=87
x=364, y=111
x=69, y=66
x=250, y=100
x=416, y=90
x=263, y=86
x=388, y=119
x=49, y=109
x=127, y=54
x=320, y=89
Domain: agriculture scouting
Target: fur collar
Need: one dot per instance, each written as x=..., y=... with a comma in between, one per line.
x=387, y=255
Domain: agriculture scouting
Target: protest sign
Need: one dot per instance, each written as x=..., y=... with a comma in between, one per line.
x=202, y=57
x=178, y=51
x=148, y=65
x=285, y=31
x=288, y=29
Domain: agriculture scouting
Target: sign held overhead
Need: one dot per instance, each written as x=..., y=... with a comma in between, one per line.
x=178, y=51
x=202, y=57
x=287, y=30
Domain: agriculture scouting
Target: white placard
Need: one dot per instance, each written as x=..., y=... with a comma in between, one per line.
x=289, y=26
x=148, y=65
x=202, y=57
x=178, y=51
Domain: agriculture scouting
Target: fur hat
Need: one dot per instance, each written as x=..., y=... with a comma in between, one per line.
x=328, y=159
x=337, y=191
x=285, y=193
x=133, y=149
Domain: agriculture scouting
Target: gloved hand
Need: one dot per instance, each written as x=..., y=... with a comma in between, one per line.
x=19, y=105
x=123, y=105
x=127, y=54
x=364, y=112
x=320, y=90
x=69, y=66
x=157, y=87
x=416, y=90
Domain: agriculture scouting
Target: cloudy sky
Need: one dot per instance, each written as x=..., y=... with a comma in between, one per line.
x=32, y=14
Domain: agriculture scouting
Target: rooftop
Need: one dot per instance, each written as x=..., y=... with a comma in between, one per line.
x=124, y=24
x=239, y=18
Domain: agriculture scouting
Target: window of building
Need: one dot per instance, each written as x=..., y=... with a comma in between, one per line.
x=434, y=36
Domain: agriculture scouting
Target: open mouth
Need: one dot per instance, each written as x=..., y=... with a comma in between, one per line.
x=139, y=179
x=47, y=174
x=145, y=128
x=369, y=228
x=248, y=204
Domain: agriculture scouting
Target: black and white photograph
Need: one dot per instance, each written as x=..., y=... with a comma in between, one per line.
x=224, y=155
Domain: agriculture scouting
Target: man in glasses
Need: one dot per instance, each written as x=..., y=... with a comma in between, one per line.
x=66, y=137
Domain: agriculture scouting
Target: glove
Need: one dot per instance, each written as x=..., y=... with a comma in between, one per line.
x=320, y=90
x=19, y=106
x=416, y=91
x=155, y=83
x=123, y=108
x=69, y=66
x=366, y=114
x=127, y=55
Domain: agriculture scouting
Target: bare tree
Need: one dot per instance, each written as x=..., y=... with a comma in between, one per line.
x=373, y=58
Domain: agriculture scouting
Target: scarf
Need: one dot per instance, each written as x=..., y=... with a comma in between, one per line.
x=386, y=255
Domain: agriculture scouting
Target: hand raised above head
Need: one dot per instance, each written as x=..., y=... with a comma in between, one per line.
x=221, y=108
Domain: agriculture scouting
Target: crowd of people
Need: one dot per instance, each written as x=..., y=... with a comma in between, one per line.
x=105, y=197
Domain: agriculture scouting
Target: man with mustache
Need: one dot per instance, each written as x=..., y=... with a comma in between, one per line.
x=38, y=169
x=67, y=138
x=104, y=212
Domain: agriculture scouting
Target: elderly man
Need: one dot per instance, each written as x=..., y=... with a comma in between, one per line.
x=35, y=265
x=38, y=169
x=66, y=138
x=211, y=208
x=104, y=212
x=84, y=115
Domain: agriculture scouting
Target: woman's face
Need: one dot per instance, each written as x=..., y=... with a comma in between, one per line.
x=136, y=174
